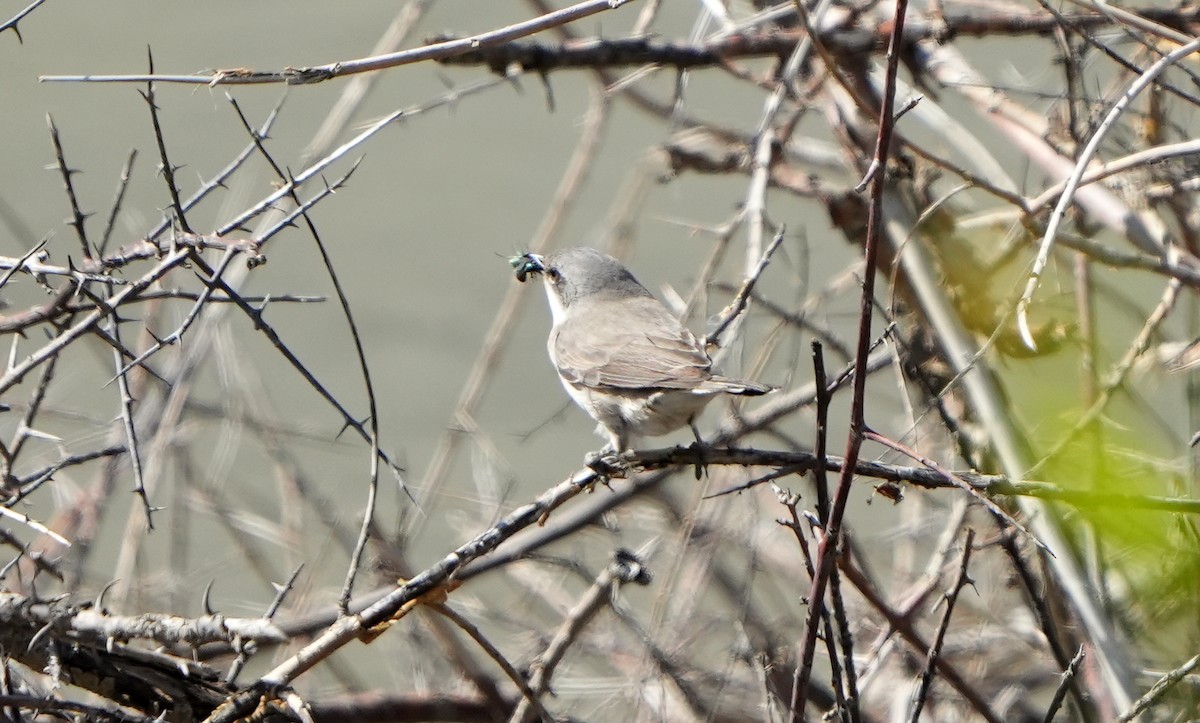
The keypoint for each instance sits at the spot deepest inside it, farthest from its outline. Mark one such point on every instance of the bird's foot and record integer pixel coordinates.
(608, 464)
(700, 449)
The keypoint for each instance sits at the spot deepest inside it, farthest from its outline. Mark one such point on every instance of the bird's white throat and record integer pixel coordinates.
(558, 312)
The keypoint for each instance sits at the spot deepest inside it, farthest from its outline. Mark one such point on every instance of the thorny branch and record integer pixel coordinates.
(950, 224)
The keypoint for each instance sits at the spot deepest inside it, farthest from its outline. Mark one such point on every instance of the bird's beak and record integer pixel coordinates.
(526, 264)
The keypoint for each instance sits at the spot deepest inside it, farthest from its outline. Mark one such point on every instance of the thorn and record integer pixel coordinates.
(550, 104)
(37, 637)
(1023, 325)
(104, 591)
(348, 424)
(37, 434)
(207, 598)
(346, 177)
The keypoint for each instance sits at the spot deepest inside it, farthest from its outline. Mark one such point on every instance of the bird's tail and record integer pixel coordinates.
(739, 386)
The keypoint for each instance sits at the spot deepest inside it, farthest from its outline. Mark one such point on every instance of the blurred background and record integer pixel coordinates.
(256, 474)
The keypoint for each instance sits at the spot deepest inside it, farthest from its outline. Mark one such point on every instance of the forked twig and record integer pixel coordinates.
(1142, 82)
(935, 650)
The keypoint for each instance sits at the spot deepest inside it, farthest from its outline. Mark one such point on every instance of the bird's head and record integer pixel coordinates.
(578, 274)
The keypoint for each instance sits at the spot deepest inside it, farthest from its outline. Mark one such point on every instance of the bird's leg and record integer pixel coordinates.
(605, 463)
(609, 462)
(699, 447)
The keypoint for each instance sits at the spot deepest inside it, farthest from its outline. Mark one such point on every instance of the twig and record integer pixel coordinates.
(791, 502)
(827, 549)
(1078, 26)
(221, 298)
(126, 416)
(168, 171)
(1064, 685)
(37, 704)
(529, 697)
(16, 372)
(1068, 194)
(1100, 171)
(175, 336)
(1179, 268)
(355, 91)
(19, 264)
(115, 209)
(318, 73)
(739, 302)
(33, 525)
(11, 23)
(935, 649)
(845, 638)
(77, 216)
(243, 651)
(625, 567)
(88, 623)
(845, 688)
(261, 325)
(765, 140)
(992, 507)
(41, 562)
(905, 627)
(30, 482)
(1161, 686)
(1117, 375)
(25, 427)
(346, 629)
(364, 369)
(218, 181)
(802, 319)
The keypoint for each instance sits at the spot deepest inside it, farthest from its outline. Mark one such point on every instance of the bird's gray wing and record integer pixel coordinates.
(640, 345)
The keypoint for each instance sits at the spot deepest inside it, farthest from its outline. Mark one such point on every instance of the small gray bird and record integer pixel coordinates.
(619, 352)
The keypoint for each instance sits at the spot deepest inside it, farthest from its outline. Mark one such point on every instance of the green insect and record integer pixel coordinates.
(525, 264)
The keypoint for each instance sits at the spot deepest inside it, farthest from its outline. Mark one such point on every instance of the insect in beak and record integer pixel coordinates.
(526, 264)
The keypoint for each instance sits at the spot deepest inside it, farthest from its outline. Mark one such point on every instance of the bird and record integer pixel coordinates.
(622, 356)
